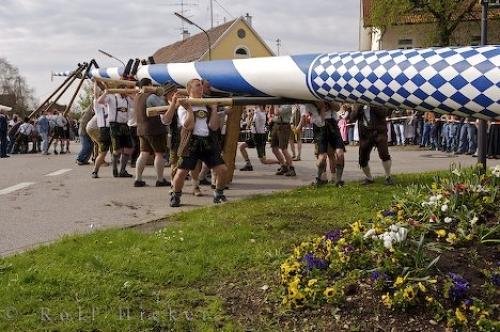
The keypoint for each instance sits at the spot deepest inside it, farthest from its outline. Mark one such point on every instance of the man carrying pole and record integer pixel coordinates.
(198, 143)
(119, 108)
(152, 135)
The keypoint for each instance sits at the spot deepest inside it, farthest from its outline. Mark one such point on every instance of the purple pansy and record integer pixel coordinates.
(334, 235)
(459, 288)
(314, 263)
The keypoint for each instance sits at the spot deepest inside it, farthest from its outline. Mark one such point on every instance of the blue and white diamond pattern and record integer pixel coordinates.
(463, 81)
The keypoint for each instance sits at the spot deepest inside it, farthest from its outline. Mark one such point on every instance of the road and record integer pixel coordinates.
(45, 197)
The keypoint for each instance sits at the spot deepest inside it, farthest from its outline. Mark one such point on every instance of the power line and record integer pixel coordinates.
(224, 9)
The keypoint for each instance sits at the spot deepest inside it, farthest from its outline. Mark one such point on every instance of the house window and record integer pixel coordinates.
(475, 41)
(405, 44)
(241, 33)
(241, 52)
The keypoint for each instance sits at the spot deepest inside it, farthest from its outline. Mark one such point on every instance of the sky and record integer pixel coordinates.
(40, 36)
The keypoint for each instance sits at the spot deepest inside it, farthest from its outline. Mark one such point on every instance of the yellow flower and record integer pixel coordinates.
(452, 238)
(429, 299)
(356, 227)
(312, 282)
(399, 281)
(440, 233)
(386, 300)
(330, 292)
(461, 316)
(422, 287)
(409, 293)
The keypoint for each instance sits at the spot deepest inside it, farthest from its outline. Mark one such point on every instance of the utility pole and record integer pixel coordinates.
(278, 45)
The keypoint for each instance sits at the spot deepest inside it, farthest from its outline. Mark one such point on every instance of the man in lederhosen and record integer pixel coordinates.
(119, 106)
(198, 142)
(152, 134)
(372, 133)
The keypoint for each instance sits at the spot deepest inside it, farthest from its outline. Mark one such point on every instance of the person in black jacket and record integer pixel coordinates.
(3, 134)
(372, 133)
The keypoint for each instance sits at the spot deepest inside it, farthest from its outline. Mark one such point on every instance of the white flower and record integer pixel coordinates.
(433, 199)
(265, 287)
(444, 208)
(424, 204)
(448, 220)
(456, 172)
(439, 196)
(496, 171)
(473, 221)
(369, 233)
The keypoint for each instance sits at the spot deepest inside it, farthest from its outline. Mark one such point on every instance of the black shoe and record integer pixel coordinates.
(94, 175)
(282, 170)
(219, 198)
(212, 186)
(55, 152)
(388, 181)
(290, 172)
(367, 182)
(163, 183)
(246, 168)
(125, 174)
(81, 163)
(62, 152)
(6, 156)
(318, 182)
(339, 183)
(115, 173)
(175, 200)
(139, 184)
(205, 182)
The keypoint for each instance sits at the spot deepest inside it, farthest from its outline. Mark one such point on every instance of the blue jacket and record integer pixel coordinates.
(43, 124)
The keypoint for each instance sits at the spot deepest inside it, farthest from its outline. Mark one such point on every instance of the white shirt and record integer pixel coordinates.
(200, 124)
(118, 108)
(102, 115)
(314, 113)
(61, 121)
(26, 128)
(259, 122)
(132, 118)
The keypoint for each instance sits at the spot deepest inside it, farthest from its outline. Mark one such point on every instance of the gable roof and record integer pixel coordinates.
(192, 48)
(195, 47)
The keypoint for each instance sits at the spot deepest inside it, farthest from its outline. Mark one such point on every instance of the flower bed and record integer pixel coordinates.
(434, 250)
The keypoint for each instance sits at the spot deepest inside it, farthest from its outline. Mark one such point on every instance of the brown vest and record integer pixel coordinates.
(147, 126)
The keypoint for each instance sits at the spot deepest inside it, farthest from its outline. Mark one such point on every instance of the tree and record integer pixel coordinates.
(13, 84)
(446, 14)
(85, 98)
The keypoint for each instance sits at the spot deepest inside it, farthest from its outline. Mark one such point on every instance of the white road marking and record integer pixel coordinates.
(18, 186)
(59, 172)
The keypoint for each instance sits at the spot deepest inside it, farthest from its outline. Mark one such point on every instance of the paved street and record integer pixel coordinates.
(45, 197)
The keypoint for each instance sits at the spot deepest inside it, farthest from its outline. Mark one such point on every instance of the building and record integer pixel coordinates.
(414, 30)
(231, 40)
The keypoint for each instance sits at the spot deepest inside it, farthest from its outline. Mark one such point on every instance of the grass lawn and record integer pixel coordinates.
(214, 268)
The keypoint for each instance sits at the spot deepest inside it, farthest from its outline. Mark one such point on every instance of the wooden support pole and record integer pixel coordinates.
(231, 141)
(83, 78)
(116, 82)
(70, 77)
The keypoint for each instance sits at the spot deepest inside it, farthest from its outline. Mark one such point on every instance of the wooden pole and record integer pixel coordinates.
(231, 141)
(116, 82)
(66, 87)
(75, 73)
(83, 78)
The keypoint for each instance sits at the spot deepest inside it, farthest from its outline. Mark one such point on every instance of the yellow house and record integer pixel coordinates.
(235, 39)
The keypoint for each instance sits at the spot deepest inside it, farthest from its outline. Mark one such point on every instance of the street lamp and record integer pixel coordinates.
(188, 21)
(111, 56)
